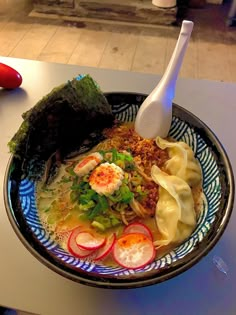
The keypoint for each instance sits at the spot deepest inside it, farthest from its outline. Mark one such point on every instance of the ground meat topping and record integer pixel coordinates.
(145, 151)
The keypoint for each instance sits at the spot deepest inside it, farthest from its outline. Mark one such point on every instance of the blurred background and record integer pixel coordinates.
(132, 35)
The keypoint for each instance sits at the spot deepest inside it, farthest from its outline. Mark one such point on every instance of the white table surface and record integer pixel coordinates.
(27, 284)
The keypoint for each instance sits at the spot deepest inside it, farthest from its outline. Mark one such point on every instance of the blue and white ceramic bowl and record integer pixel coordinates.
(218, 191)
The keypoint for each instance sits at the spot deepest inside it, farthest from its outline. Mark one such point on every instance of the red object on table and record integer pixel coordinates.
(9, 77)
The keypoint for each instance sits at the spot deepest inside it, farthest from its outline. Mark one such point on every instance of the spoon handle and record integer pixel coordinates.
(155, 114)
(167, 84)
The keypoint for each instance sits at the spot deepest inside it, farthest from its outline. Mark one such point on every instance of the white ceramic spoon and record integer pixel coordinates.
(155, 114)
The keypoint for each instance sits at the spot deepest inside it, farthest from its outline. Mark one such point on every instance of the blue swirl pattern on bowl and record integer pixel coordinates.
(180, 131)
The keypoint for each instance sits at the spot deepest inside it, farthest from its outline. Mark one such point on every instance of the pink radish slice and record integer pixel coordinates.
(106, 249)
(138, 228)
(134, 250)
(74, 249)
(86, 240)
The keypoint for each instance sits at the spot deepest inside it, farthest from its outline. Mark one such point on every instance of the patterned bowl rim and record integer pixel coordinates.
(33, 245)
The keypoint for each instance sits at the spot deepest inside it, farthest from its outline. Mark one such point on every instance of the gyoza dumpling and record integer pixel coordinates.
(175, 214)
(182, 162)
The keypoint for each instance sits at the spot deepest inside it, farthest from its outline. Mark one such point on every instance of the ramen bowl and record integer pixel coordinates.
(218, 197)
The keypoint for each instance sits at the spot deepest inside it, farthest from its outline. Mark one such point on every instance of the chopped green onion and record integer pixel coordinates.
(86, 178)
(120, 163)
(126, 194)
(115, 197)
(114, 155)
(89, 195)
(102, 152)
(98, 225)
(75, 187)
(73, 196)
(103, 203)
(114, 220)
(70, 171)
(136, 180)
(125, 157)
(95, 211)
(87, 206)
(130, 167)
(65, 180)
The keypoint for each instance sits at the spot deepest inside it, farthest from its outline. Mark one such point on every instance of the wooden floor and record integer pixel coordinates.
(210, 55)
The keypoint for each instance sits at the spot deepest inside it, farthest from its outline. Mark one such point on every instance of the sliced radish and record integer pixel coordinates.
(74, 249)
(134, 250)
(106, 249)
(138, 228)
(86, 240)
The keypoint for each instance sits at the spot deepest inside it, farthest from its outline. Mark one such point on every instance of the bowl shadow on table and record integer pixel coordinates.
(9, 311)
(200, 278)
(203, 282)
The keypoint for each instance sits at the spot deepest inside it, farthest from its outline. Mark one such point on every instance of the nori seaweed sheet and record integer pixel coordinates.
(62, 120)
